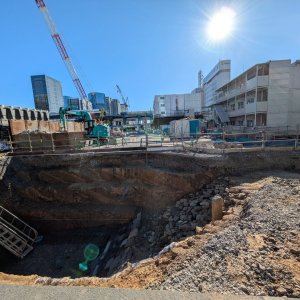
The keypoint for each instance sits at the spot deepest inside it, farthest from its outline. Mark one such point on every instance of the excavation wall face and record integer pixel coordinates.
(110, 188)
(98, 189)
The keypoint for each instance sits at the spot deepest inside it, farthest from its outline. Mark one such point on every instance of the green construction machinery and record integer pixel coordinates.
(93, 129)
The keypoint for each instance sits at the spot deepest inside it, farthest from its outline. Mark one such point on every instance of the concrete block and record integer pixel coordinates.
(217, 205)
(54, 127)
(43, 126)
(17, 126)
(32, 126)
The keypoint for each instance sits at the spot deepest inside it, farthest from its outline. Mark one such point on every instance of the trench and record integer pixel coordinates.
(128, 204)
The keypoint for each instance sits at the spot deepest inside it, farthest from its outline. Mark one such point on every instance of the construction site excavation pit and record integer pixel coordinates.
(114, 201)
(132, 206)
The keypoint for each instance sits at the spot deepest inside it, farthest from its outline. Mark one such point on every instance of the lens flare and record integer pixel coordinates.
(221, 24)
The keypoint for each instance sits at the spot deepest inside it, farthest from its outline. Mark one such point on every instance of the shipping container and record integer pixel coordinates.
(185, 128)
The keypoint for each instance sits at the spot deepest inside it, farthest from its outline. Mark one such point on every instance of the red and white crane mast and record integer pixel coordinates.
(62, 49)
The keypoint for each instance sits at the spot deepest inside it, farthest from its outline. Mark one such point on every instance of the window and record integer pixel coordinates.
(251, 97)
(161, 97)
(162, 105)
(262, 95)
(261, 119)
(263, 70)
(232, 106)
(241, 123)
(251, 73)
(249, 123)
(163, 112)
(240, 105)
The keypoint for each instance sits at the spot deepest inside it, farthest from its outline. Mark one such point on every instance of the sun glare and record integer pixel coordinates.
(221, 24)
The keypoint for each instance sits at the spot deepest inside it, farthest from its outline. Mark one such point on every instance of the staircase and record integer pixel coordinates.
(15, 235)
(222, 114)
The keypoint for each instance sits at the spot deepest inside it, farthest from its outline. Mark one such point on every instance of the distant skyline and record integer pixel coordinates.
(148, 47)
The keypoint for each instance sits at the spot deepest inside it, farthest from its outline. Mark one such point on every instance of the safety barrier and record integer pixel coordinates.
(245, 146)
(68, 142)
(15, 235)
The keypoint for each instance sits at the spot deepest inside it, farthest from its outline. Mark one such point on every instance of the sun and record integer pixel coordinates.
(221, 24)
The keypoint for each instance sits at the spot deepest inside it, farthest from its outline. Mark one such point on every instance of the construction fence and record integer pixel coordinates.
(76, 142)
(64, 142)
(239, 142)
(45, 137)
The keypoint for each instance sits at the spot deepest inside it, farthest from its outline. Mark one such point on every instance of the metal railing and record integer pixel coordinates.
(220, 146)
(42, 143)
(30, 143)
(15, 235)
(271, 131)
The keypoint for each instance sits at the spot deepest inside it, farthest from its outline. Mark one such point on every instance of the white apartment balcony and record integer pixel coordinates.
(218, 100)
(250, 108)
(251, 84)
(257, 81)
(236, 113)
(232, 93)
(237, 91)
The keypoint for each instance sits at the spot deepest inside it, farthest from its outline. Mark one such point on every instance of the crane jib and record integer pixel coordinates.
(62, 49)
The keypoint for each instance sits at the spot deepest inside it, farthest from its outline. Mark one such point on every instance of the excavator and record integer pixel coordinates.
(93, 129)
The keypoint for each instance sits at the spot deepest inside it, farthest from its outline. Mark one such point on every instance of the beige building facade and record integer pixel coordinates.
(267, 94)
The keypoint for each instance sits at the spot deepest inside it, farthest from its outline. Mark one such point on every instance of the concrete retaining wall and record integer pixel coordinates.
(19, 126)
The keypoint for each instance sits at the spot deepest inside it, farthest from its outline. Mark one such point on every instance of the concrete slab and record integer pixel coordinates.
(12, 292)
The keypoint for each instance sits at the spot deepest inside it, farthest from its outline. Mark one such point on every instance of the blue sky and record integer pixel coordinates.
(148, 47)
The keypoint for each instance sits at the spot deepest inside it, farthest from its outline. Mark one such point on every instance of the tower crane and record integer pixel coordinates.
(62, 49)
(125, 101)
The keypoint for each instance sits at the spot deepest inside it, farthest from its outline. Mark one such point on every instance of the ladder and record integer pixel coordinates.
(15, 235)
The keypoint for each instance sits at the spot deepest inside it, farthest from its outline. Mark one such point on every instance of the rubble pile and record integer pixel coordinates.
(192, 211)
(258, 254)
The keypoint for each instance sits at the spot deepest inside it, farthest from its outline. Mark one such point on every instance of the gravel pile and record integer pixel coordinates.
(258, 254)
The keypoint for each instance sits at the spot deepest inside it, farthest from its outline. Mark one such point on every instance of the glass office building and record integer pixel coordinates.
(47, 93)
(67, 101)
(98, 101)
(115, 107)
(72, 103)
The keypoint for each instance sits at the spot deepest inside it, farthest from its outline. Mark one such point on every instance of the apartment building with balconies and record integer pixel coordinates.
(267, 94)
